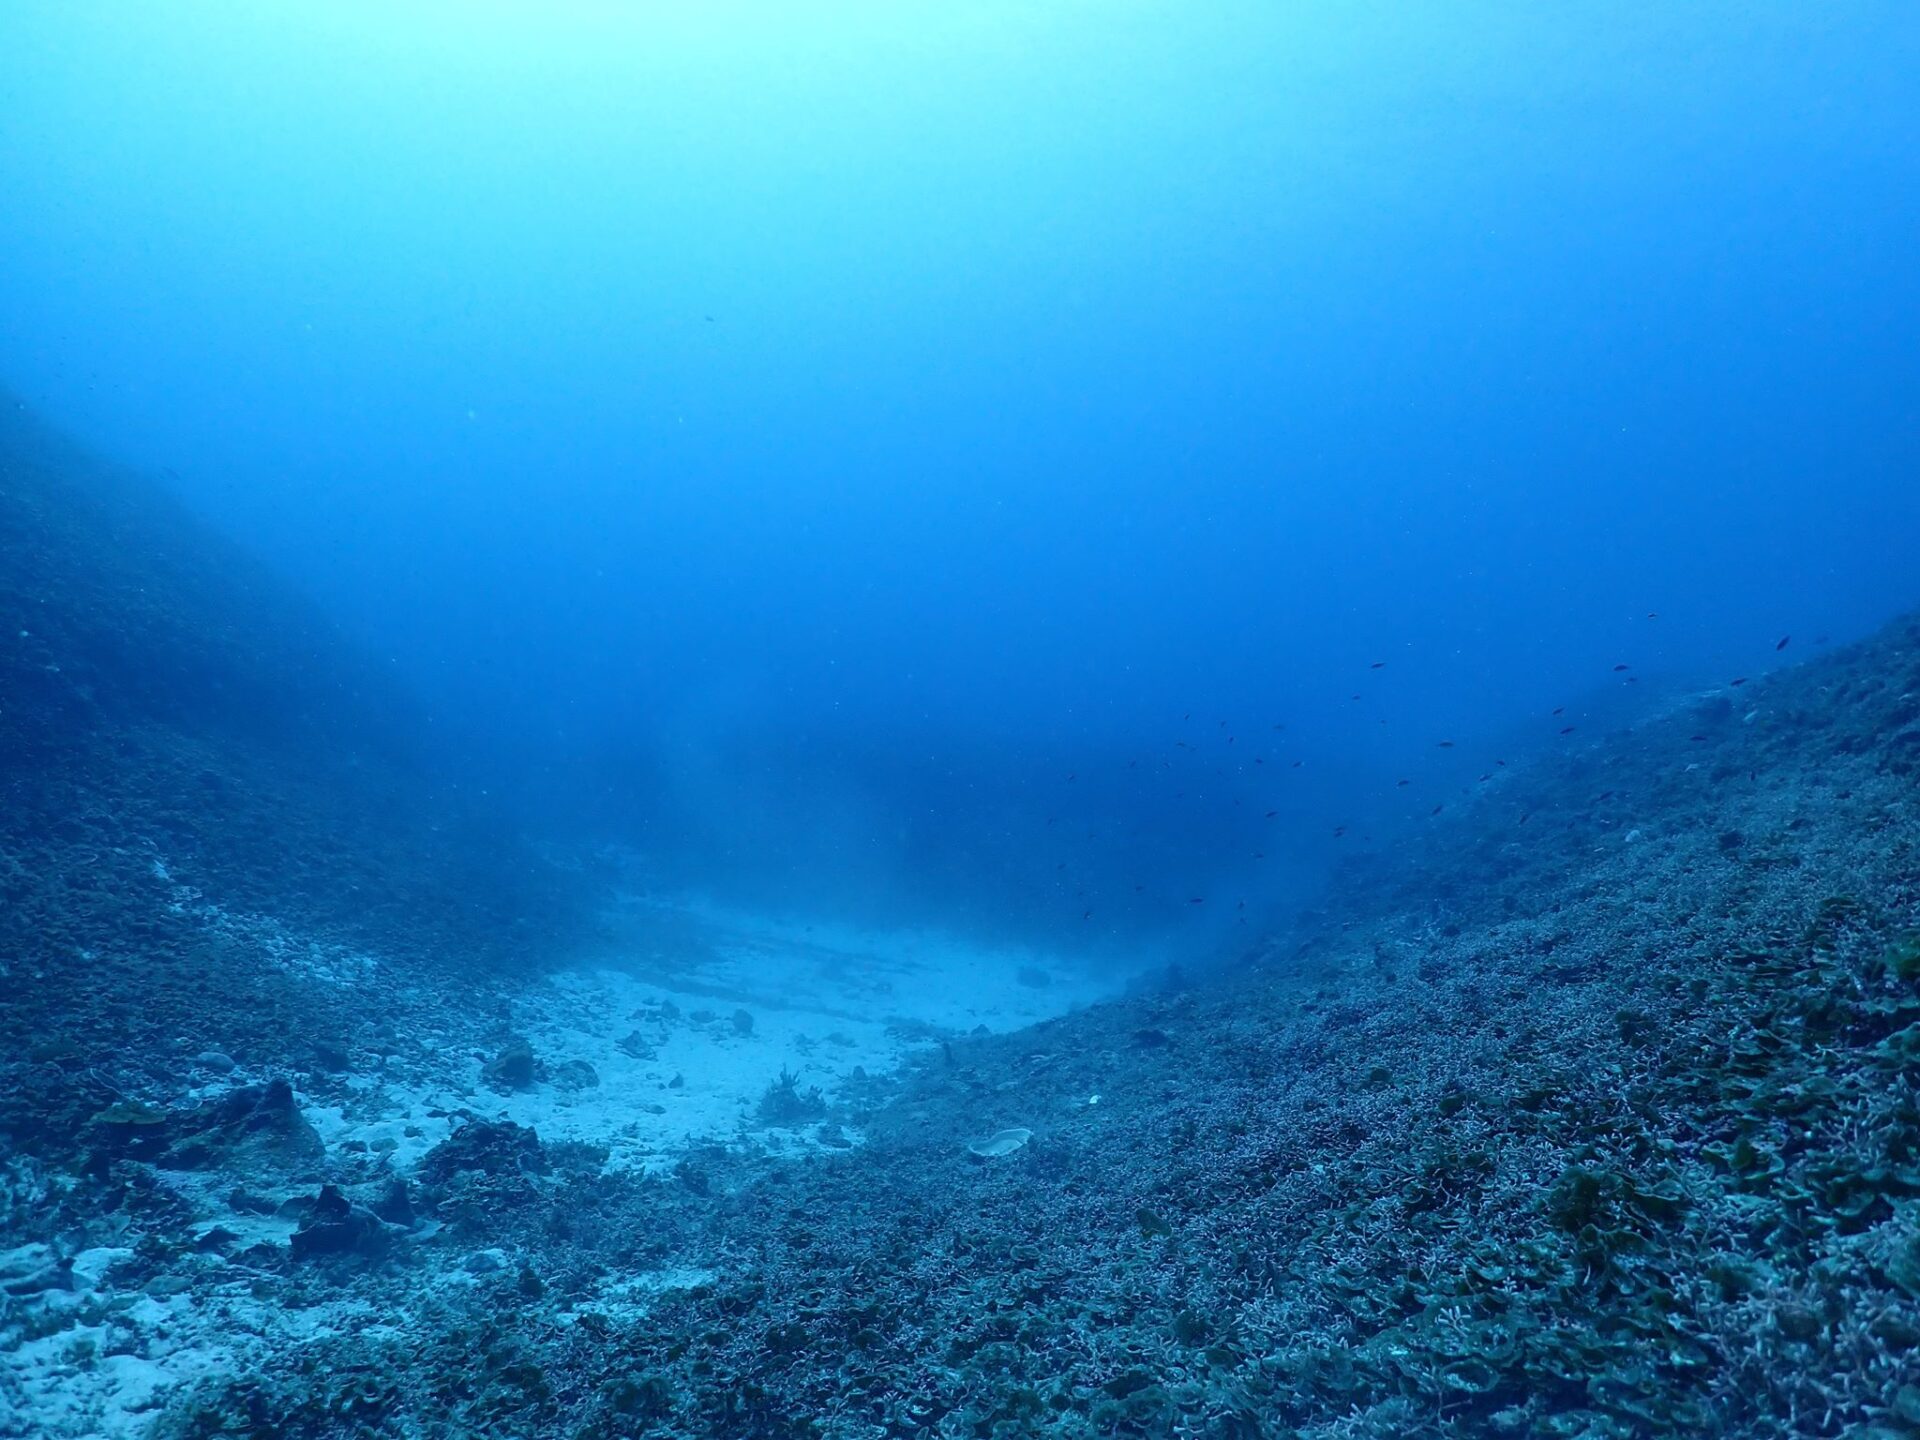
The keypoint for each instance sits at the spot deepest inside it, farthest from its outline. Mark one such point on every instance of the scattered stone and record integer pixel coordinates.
(742, 1023)
(244, 1202)
(217, 1061)
(485, 1262)
(576, 1075)
(678, 1082)
(833, 1137)
(638, 1046)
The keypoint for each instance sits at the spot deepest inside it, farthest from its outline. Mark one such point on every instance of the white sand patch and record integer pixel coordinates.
(673, 1038)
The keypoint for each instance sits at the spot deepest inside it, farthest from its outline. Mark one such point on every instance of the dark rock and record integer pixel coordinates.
(742, 1023)
(575, 1075)
(333, 1058)
(131, 1131)
(489, 1147)
(250, 1127)
(55, 1276)
(395, 1206)
(332, 1232)
(514, 1068)
(243, 1202)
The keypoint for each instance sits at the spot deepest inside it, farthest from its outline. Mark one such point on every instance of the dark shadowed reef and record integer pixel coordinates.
(207, 798)
(1597, 1113)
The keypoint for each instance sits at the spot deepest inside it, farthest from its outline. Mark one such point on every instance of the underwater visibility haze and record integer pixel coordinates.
(865, 719)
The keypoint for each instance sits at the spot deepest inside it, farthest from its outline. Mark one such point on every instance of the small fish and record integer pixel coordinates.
(1569, 729)
(1445, 745)
(1526, 817)
(1378, 665)
(1736, 684)
(1197, 900)
(1399, 783)
(1356, 697)
(1618, 668)
(1697, 737)
(1653, 614)
(1785, 640)
(1559, 709)
(1271, 813)
(1338, 831)
(1486, 777)
(1298, 763)
(1435, 811)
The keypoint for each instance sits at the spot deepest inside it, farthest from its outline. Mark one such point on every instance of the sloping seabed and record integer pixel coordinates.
(1593, 1115)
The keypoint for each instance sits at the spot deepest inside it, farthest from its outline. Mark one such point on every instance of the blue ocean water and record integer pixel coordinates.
(1030, 468)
